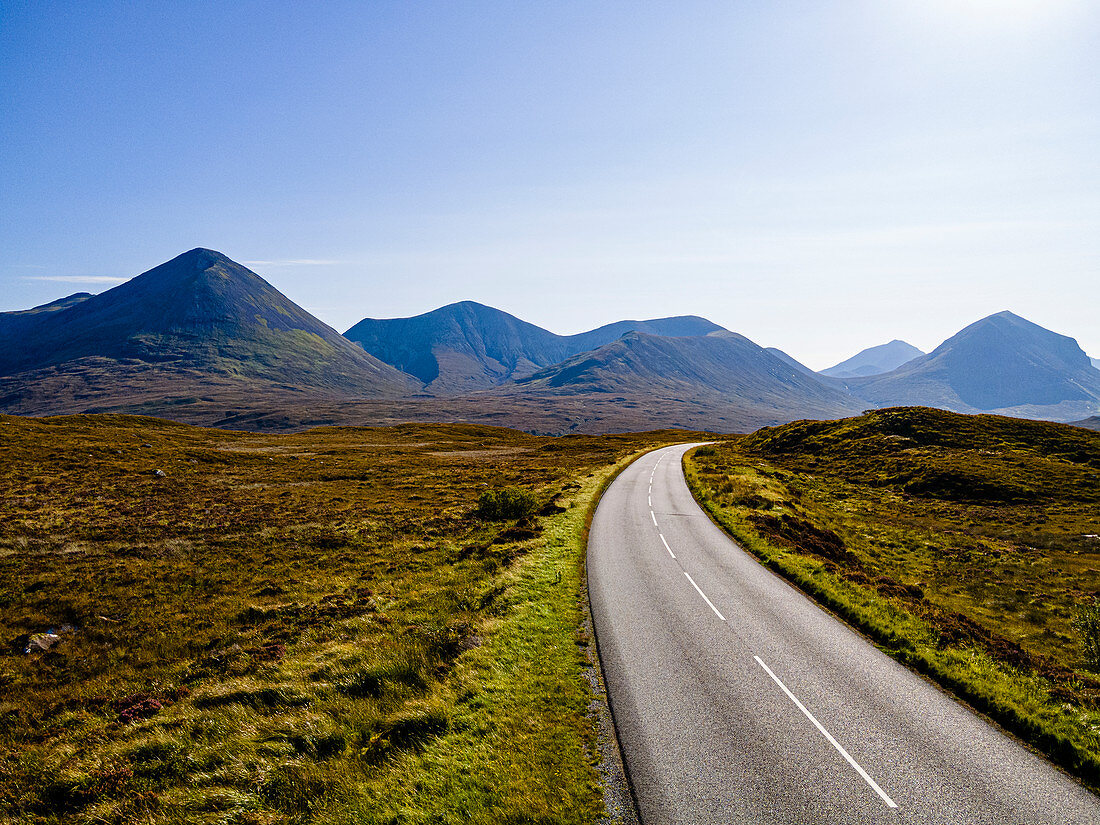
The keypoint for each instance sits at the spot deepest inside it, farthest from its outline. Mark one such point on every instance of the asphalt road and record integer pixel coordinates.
(737, 700)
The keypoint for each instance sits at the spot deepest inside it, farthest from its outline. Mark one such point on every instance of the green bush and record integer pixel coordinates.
(506, 503)
(1087, 623)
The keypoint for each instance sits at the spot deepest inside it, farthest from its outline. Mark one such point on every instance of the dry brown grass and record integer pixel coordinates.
(291, 628)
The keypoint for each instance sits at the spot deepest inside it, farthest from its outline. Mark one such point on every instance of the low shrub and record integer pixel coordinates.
(506, 503)
(1087, 623)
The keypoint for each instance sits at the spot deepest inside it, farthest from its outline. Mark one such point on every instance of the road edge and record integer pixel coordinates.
(619, 796)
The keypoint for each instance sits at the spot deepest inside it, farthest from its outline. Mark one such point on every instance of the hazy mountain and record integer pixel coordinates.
(1095, 362)
(1090, 423)
(1003, 364)
(786, 359)
(197, 319)
(466, 347)
(722, 368)
(875, 360)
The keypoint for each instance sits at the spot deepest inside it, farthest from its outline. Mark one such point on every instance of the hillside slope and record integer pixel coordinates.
(794, 362)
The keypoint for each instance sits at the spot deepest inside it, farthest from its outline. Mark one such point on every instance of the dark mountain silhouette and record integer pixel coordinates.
(723, 369)
(875, 360)
(197, 318)
(787, 359)
(466, 347)
(52, 306)
(1002, 364)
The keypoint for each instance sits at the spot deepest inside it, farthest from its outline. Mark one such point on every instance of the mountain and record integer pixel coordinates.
(875, 360)
(786, 359)
(1090, 423)
(722, 369)
(1002, 364)
(1095, 362)
(466, 347)
(198, 322)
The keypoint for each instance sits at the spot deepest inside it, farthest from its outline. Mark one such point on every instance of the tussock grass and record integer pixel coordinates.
(303, 628)
(957, 543)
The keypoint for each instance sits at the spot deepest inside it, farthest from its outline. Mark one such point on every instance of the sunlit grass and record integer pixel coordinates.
(305, 628)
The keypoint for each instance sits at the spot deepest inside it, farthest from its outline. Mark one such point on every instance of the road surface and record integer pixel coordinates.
(738, 700)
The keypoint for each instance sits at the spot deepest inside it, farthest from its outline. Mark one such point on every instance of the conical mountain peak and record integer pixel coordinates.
(203, 312)
(875, 360)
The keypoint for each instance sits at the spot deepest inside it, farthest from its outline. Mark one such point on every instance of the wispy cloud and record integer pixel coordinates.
(78, 279)
(294, 262)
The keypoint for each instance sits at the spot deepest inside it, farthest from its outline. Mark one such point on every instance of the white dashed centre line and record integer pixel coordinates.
(889, 802)
(652, 516)
(704, 595)
(669, 549)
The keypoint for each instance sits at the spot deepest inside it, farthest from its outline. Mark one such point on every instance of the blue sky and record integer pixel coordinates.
(819, 176)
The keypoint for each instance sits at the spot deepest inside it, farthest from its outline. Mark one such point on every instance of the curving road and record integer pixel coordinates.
(737, 700)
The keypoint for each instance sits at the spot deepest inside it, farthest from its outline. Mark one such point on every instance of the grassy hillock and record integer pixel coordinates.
(964, 545)
(319, 627)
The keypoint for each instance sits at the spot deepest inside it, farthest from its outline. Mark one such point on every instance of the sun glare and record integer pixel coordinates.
(997, 14)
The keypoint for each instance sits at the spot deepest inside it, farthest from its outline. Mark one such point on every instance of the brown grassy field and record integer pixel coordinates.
(965, 545)
(295, 628)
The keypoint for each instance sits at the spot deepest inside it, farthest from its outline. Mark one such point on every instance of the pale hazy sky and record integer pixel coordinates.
(819, 176)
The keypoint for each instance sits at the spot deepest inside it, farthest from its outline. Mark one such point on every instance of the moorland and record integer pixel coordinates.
(378, 625)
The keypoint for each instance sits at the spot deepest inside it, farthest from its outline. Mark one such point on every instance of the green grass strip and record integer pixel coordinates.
(520, 746)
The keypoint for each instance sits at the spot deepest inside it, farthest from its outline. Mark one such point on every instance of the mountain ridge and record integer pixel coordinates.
(469, 347)
(723, 367)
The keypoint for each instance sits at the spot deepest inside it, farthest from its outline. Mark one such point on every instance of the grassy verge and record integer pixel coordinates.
(521, 748)
(930, 572)
(305, 628)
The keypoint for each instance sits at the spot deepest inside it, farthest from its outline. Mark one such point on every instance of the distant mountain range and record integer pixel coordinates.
(874, 360)
(466, 347)
(203, 339)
